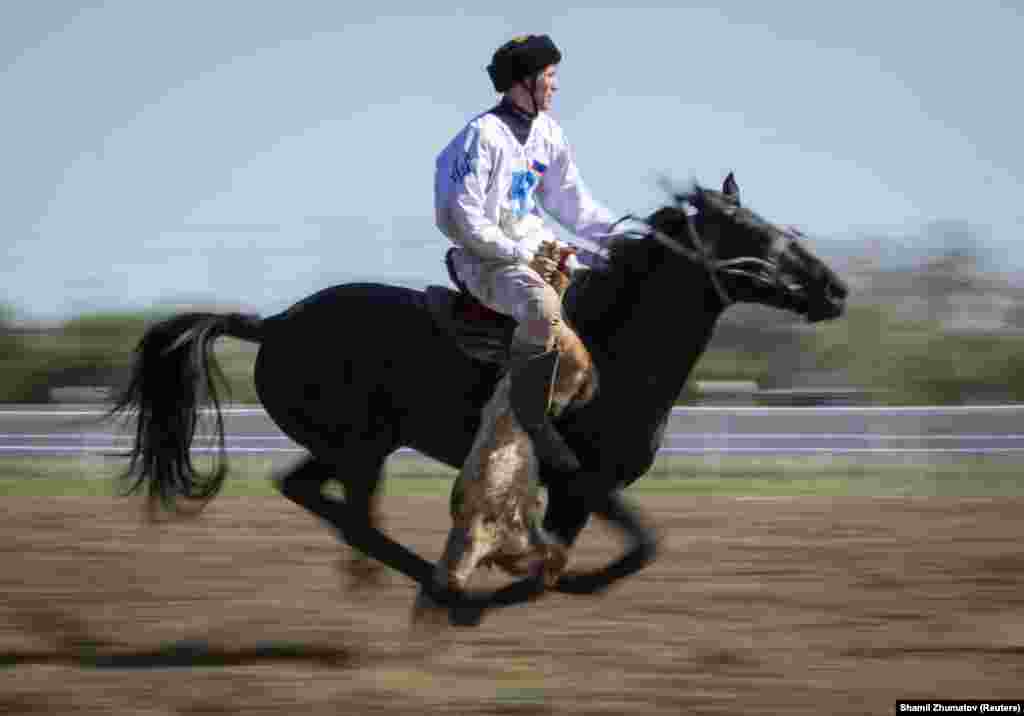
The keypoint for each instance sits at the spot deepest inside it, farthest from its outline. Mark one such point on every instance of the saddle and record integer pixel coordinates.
(480, 332)
(486, 336)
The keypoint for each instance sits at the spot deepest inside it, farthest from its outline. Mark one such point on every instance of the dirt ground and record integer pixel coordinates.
(759, 605)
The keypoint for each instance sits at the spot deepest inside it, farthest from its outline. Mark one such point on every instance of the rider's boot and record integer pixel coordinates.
(533, 373)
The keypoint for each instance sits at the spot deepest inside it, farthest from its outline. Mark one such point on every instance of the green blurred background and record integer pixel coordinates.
(940, 332)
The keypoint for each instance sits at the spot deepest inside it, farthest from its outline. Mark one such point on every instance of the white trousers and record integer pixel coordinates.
(514, 290)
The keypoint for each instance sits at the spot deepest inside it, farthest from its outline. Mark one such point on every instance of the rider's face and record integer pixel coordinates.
(547, 85)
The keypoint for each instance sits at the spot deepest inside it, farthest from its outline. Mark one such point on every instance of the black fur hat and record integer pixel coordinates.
(521, 57)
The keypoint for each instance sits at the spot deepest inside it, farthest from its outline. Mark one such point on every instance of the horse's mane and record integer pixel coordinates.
(633, 251)
(632, 257)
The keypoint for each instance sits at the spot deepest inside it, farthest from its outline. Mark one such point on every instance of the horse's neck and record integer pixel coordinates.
(664, 329)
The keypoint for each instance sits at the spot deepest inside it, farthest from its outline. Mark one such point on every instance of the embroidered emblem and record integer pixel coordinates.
(523, 184)
(462, 166)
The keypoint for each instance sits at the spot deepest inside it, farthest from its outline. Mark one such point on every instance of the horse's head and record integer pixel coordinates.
(748, 258)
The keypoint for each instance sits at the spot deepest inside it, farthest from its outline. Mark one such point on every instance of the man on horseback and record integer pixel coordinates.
(488, 183)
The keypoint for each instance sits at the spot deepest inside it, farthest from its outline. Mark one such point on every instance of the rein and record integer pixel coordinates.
(702, 254)
(699, 252)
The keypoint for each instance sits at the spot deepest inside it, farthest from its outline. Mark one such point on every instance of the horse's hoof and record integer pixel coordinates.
(442, 595)
(467, 612)
(463, 609)
(555, 562)
(587, 583)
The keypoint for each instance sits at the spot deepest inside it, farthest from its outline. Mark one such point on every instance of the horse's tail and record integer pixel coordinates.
(174, 376)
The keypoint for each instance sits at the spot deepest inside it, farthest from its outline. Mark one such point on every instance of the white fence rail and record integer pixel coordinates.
(692, 430)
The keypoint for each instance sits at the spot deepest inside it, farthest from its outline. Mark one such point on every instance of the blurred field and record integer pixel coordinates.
(777, 605)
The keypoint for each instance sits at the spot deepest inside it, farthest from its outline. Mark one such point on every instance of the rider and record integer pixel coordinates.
(488, 183)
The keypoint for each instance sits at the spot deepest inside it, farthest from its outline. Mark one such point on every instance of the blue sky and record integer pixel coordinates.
(250, 153)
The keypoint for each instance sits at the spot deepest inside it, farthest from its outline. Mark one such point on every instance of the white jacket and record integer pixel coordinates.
(488, 189)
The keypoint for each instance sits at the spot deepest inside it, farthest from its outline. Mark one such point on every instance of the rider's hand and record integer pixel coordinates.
(544, 266)
(554, 264)
(545, 261)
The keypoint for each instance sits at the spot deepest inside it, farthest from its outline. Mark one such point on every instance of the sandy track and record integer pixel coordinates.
(780, 605)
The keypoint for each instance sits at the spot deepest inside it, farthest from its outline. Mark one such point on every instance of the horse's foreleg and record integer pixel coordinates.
(614, 507)
(554, 555)
(567, 513)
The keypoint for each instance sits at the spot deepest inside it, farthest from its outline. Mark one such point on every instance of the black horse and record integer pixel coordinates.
(355, 371)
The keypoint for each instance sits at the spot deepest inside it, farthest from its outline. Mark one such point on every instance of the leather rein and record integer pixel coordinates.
(768, 272)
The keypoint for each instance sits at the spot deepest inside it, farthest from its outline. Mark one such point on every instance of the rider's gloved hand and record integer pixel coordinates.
(544, 265)
(555, 262)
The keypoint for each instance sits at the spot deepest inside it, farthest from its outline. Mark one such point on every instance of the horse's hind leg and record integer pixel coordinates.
(352, 515)
(362, 497)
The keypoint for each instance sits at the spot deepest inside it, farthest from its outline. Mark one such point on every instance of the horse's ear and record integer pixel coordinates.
(731, 189)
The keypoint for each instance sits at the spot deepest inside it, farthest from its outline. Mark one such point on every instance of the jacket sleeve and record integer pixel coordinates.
(462, 215)
(564, 195)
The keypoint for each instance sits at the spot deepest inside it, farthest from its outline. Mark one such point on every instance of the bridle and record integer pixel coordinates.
(764, 271)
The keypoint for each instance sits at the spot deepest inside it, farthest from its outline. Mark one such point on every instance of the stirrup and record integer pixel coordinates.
(530, 395)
